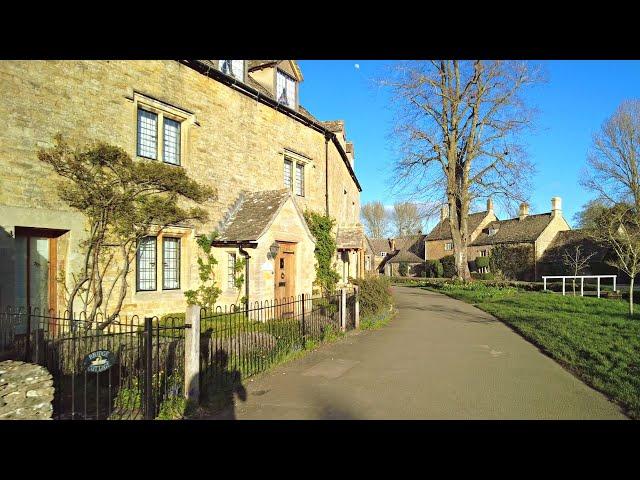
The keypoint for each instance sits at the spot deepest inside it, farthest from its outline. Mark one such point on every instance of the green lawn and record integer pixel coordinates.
(594, 338)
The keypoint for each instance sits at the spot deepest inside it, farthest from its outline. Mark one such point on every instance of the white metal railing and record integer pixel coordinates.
(581, 277)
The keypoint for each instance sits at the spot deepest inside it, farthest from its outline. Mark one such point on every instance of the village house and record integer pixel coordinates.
(536, 232)
(234, 125)
(390, 253)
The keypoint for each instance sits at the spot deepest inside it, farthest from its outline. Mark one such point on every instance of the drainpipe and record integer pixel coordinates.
(326, 172)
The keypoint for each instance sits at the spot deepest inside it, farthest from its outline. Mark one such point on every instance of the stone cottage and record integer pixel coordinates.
(535, 232)
(235, 125)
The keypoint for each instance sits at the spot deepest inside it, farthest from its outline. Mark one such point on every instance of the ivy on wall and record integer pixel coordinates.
(514, 262)
(321, 227)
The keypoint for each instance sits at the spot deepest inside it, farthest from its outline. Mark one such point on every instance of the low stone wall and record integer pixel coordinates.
(26, 391)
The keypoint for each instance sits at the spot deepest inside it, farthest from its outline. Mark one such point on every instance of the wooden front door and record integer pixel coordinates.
(285, 276)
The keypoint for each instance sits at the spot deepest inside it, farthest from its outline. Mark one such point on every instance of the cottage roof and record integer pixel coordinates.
(568, 240)
(380, 245)
(349, 237)
(442, 231)
(252, 214)
(514, 230)
(405, 256)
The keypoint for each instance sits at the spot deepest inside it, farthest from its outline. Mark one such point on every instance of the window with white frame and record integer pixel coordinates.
(161, 129)
(383, 254)
(288, 172)
(233, 68)
(285, 89)
(146, 264)
(484, 253)
(483, 270)
(171, 263)
(448, 246)
(299, 183)
(296, 184)
(231, 270)
(147, 134)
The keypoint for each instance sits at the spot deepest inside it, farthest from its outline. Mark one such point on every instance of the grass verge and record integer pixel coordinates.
(593, 338)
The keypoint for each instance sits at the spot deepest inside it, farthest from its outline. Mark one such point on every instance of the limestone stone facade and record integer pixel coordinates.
(234, 136)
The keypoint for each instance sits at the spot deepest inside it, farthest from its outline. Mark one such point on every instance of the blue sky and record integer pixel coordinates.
(573, 104)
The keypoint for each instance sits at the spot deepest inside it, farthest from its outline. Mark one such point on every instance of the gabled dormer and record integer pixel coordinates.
(234, 68)
(281, 78)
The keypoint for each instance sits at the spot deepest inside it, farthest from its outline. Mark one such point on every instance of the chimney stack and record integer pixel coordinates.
(444, 212)
(556, 206)
(392, 241)
(524, 211)
(489, 205)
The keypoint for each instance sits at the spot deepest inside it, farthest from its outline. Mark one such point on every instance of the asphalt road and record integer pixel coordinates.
(438, 359)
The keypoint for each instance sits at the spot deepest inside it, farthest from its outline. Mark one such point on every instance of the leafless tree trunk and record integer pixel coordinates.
(457, 128)
(375, 219)
(613, 172)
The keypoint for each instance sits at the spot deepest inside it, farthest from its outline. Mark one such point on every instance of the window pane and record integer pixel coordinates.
(231, 270)
(285, 89)
(171, 258)
(300, 179)
(147, 264)
(171, 152)
(288, 166)
(147, 134)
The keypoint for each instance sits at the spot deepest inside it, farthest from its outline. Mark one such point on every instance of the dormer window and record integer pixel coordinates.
(383, 254)
(285, 89)
(233, 68)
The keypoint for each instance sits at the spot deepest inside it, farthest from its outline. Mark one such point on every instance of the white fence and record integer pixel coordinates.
(581, 277)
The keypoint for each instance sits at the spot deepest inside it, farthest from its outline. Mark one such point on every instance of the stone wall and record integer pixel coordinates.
(26, 391)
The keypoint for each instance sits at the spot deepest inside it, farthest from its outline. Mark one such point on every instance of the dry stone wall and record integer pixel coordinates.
(26, 391)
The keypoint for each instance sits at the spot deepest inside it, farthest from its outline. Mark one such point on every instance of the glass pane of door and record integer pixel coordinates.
(39, 273)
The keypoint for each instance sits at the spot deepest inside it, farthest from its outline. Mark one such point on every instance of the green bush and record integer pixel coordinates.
(514, 261)
(448, 266)
(434, 269)
(482, 262)
(375, 294)
(403, 269)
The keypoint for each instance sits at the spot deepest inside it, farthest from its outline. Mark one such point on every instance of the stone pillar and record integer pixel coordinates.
(192, 354)
(343, 309)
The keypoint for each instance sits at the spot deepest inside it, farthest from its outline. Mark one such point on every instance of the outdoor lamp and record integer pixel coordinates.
(273, 249)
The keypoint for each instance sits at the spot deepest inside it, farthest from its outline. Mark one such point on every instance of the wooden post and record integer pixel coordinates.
(343, 309)
(582, 286)
(614, 282)
(598, 287)
(357, 306)
(563, 282)
(192, 354)
(544, 281)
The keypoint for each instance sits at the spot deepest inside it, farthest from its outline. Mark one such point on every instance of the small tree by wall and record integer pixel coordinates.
(576, 261)
(123, 201)
(321, 227)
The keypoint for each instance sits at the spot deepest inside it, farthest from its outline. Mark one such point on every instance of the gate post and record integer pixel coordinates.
(192, 354)
(304, 333)
(357, 306)
(343, 309)
(148, 368)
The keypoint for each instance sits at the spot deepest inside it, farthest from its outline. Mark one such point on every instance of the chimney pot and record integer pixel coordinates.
(556, 206)
(490, 204)
(524, 211)
(444, 212)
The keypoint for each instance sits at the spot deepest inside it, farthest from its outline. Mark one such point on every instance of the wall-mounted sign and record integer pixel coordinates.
(99, 361)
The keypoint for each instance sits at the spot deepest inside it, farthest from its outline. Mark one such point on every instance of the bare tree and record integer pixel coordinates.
(620, 229)
(575, 259)
(613, 173)
(457, 128)
(375, 219)
(613, 162)
(406, 218)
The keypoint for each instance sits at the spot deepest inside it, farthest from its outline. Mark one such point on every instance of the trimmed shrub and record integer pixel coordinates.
(375, 294)
(403, 269)
(434, 269)
(514, 261)
(482, 262)
(448, 266)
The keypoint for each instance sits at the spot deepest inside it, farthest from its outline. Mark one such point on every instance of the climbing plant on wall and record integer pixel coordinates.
(321, 228)
(208, 291)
